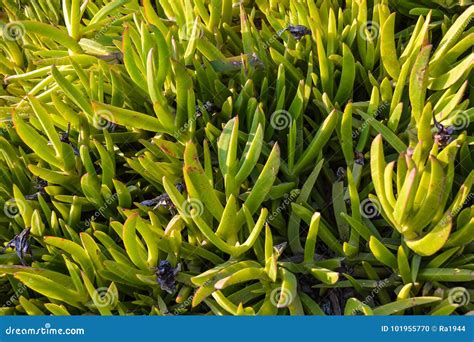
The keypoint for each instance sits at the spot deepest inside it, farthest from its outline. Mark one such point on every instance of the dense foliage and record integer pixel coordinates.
(236, 157)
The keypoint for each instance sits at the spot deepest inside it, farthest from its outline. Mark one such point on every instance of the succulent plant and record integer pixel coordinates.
(310, 157)
(423, 186)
